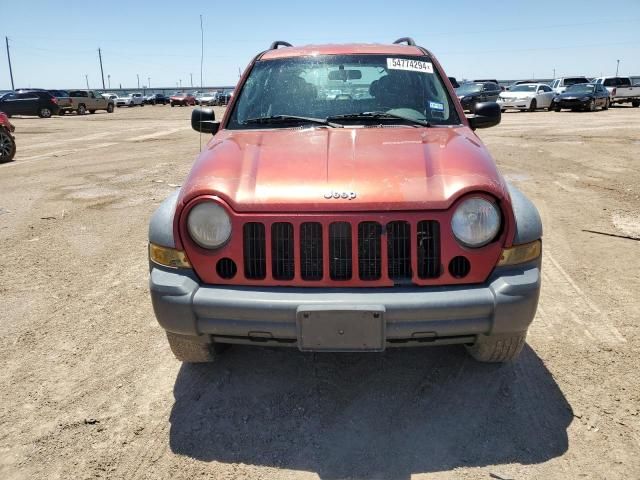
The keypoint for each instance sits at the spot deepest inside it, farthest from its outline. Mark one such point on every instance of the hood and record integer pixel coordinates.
(343, 169)
(511, 94)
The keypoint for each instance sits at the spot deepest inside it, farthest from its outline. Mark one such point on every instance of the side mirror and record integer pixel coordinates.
(487, 114)
(204, 120)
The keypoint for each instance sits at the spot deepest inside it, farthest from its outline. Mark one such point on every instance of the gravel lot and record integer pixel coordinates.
(89, 388)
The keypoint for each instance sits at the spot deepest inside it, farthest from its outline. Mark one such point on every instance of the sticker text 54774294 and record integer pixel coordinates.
(410, 65)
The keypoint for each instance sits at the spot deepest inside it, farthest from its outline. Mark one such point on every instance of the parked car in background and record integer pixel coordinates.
(156, 99)
(64, 101)
(89, 101)
(621, 90)
(477, 92)
(7, 140)
(110, 96)
(582, 96)
(519, 82)
(559, 85)
(527, 96)
(454, 82)
(224, 97)
(29, 102)
(182, 98)
(130, 100)
(207, 98)
(490, 80)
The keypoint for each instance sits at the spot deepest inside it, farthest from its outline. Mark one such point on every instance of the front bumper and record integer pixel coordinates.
(513, 103)
(571, 104)
(505, 303)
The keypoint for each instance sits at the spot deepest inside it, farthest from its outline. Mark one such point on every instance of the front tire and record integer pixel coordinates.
(173, 104)
(110, 108)
(497, 348)
(533, 105)
(191, 350)
(635, 104)
(7, 146)
(606, 104)
(82, 109)
(592, 106)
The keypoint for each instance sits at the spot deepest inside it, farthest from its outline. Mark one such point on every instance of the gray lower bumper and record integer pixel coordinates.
(413, 315)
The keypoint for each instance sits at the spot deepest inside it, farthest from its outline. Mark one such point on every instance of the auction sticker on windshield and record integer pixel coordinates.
(410, 65)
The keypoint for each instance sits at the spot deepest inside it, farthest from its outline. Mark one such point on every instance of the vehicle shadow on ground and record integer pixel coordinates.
(385, 415)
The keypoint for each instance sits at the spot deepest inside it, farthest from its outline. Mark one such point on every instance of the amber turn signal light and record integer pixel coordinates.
(520, 253)
(168, 257)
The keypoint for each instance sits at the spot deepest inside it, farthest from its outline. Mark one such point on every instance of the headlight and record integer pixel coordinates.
(475, 222)
(584, 99)
(209, 225)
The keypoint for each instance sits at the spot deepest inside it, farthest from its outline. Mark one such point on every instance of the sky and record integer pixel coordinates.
(55, 44)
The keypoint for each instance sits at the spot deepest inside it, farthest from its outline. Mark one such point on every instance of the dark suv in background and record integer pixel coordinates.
(477, 92)
(29, 102)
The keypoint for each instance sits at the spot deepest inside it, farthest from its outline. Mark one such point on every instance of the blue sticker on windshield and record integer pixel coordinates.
(436, 106)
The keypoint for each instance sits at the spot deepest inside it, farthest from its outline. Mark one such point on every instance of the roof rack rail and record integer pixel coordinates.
(279, 43)
(408, 40)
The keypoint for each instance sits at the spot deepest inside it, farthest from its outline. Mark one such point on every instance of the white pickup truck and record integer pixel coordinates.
(621, 90)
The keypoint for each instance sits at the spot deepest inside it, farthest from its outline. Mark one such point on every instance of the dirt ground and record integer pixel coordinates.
(89, 388)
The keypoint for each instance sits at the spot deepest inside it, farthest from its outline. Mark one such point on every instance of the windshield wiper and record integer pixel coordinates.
(275, 119)
(378, 116)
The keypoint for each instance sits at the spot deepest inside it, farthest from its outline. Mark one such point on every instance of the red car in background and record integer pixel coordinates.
(183, 99)
(7, 142)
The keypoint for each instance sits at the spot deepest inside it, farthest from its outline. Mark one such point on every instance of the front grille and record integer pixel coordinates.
(399, 250)
(255, 261)
(282, 264)
(329, 251)
(369, 257)
(340, 251)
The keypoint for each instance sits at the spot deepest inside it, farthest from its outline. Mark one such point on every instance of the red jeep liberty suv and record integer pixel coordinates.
(344, 203)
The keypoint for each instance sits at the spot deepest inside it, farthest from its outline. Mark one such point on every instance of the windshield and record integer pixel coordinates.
(581, 88)
(343, 86)
(574, 81)
(524, 88)
(469, 88)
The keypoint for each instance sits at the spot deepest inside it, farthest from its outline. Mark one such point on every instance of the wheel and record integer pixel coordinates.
(172, 104)
(533, 105)
(7, 146)
(606, 104)
(142, 104)
(192, 350)
(62, 112)
(92, 111)
(44, 112)
(82, 109)
(557, 109)
(502, 110)
(592, 106)
(110, 108)
(635, 104)
(497, 348)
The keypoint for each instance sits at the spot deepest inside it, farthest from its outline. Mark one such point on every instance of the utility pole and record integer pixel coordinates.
(180, 83)
(554, 73)
(191, 74)
(6, 39)
(617, 66)
(101, 70)
(149, 82)
(138, 77)
(109, 79)
(86, 77)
